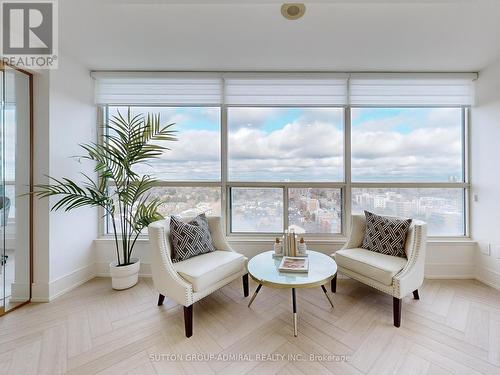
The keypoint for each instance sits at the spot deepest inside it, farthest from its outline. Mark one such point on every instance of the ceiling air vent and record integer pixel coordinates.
(293, 11)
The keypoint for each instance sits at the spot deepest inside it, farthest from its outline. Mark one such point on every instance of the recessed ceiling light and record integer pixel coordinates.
(293, 11)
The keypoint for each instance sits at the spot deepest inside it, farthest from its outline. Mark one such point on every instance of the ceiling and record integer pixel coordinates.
(340, 35)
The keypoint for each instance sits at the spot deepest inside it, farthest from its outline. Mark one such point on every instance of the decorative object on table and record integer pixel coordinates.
(190, 280)
(302, 248)
(278, 248)
(129, 141)
(390, 274)
(294, 264)
(289, 240)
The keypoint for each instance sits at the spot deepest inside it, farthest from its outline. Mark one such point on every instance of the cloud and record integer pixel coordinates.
(411, 145)
(298, 151)
(329, 115)
(194, 145)
(421, 142)
(379, 119)
(309, 147)
(254, 117)
(295, 140)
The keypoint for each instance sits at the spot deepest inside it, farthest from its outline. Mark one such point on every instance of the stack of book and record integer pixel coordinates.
(291, 245)
(294, 264)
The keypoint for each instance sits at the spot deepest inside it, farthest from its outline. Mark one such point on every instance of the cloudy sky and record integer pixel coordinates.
(406, 145)
(306, 144)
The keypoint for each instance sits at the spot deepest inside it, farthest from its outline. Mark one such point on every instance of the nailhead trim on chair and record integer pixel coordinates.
(411, 262)
(168, 265)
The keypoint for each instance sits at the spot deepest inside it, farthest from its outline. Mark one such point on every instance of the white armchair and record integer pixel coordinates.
(392, 275)
(190, 280)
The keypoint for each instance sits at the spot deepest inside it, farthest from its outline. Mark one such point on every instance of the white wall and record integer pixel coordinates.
(40, 166)
(65, 117)
(72, 122)
(485, 159)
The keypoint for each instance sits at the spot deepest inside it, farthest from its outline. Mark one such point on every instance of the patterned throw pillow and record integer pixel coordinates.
(190, 239)
(385, 235)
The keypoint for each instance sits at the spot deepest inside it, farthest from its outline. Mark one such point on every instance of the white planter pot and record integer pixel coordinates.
(124, 277)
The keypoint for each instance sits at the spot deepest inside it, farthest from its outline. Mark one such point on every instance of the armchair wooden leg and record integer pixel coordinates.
(334, 284)
(161, 298)
(396, 309)
(245, 284)
(415, 294)
(188, 320)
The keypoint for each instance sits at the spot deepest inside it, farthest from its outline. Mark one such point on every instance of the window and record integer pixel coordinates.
(422, 148)
(442, 209)
(256, 210)
(407, 145)
(270, 151)
(189, 201)
(196, 155)
(285, 144)
(194, 159)
(184, 202)
(315, 210)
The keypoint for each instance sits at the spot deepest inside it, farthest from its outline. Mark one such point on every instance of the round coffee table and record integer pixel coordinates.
(263, 268)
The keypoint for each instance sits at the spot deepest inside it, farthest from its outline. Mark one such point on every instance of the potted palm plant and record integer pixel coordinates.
(122, 193)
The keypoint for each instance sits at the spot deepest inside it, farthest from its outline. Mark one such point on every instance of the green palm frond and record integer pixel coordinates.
(129, 140)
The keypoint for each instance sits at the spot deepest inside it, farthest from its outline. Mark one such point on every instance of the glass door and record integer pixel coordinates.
(15, 201)
(3, 200)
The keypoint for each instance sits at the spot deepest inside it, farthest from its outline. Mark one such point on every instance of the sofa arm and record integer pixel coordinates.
(411, 277)
(355, 239)
(165, 278)
(217, 233)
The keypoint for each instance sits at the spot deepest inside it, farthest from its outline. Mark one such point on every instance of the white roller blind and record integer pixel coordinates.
(285, 89)
(158, 88)
(328, 89)
(412, 89)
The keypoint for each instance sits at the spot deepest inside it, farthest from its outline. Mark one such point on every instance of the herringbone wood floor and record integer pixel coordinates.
(454, 328)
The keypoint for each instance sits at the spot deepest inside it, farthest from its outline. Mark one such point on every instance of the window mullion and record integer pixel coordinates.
(286, 223)
(225, 209)
(466, 168)
(347, 194)
(102, 121)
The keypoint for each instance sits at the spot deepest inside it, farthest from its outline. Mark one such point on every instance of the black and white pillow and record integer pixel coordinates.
(385, 234)
(190, 239)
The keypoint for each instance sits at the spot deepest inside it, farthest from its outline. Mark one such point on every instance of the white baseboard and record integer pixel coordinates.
(449, 271)
(489, 277)
(40, 292)
(46, 292)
